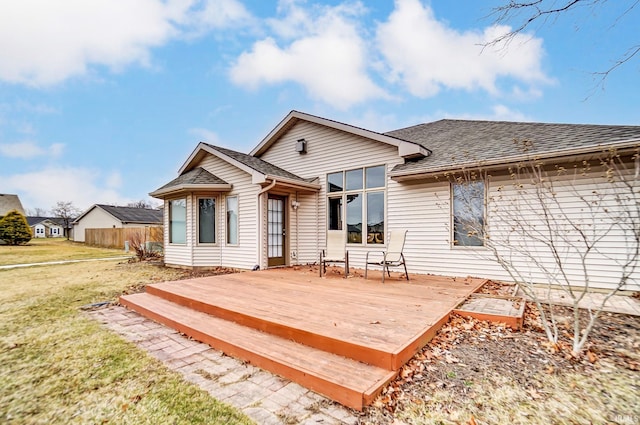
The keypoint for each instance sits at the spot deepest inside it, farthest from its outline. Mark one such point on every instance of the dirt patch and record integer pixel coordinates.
(161, 273)
(479, 372)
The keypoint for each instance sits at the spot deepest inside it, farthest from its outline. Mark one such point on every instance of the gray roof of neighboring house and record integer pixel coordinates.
(10, 202)
(133, 215)
(455, 143)
(55, 220)
(257, 164)
(197, 176)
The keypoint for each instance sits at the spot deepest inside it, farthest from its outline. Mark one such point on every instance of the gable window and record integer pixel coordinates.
(468, 211)
(177, 221)
(232, 220)
(362, 192)
(206, 220)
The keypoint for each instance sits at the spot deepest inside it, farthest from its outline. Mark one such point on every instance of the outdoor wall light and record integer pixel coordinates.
(301, 146)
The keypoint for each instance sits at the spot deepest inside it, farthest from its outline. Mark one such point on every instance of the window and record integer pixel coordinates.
(468, 213)
(206, 220)
(362, 192)
(232, 220)
(178, 221)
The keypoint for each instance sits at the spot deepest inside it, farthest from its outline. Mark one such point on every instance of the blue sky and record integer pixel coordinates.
(101, 101)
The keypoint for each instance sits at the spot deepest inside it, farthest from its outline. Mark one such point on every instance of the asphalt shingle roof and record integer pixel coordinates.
(32, 220)
(134, 215)
(458, 142)
(197, 176)
(257, 164)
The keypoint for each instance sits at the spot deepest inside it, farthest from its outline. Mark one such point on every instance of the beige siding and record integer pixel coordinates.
(97, 218)
(179, 254)
(245, 254)
(425, 210)
(328, 151)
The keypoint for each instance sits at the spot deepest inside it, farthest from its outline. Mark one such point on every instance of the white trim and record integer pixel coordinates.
(216, 230)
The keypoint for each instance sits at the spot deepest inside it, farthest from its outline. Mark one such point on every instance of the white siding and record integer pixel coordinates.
(97, 218)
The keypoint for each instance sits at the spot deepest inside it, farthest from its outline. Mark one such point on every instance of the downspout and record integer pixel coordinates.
(262, 226)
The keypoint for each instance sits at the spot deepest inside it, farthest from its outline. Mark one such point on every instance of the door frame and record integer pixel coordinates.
(284, 260)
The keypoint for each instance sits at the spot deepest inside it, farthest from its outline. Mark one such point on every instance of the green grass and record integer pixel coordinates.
(59, 366)
(52, 249)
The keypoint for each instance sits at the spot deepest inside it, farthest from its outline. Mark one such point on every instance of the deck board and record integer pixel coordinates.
(376, 325)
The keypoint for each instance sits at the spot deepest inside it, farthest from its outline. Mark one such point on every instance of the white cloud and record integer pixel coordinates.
(323, 52)
(81, 186)
(426, 55)
(205, 135)
(44, 42)
(29, 150)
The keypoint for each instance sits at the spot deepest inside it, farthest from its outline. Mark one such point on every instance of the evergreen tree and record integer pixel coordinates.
(14, 229)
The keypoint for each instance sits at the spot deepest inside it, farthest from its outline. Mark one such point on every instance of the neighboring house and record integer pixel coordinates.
(109, 216)
(47, 227)
(10, 202)
(274, 205)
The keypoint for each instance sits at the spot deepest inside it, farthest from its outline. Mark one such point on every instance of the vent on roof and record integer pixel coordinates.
(301, 146)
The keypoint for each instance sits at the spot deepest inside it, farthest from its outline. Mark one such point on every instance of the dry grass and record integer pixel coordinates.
(58, 366)
(52, 249)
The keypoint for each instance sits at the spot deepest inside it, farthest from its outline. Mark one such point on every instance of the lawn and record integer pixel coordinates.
(40, 250)
(59, 366)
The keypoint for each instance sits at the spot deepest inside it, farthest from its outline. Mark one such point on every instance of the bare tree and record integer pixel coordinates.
(66, 211)
(522, 15)
(37, 212)
(144, 242)
(558, 226)
(140, 204)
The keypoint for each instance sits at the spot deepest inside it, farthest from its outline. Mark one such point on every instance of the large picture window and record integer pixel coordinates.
(362, 192)
(178, 221)
(206, 220)
(468, 210)
(232, 220)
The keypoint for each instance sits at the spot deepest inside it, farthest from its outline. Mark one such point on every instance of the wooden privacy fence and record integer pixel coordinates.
(115, 238)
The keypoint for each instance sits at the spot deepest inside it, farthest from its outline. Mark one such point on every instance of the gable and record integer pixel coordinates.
(406, 149)
(327, 150)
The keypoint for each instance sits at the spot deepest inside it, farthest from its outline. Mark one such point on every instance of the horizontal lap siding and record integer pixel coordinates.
(245, 254)
(179, 254)
(328, 151)
(603, 262)
(425, 210)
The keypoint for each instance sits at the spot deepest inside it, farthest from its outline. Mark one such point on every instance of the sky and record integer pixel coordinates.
(102, 101)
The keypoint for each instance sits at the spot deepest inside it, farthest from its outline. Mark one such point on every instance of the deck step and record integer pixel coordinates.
(345, 380)
(281, 322)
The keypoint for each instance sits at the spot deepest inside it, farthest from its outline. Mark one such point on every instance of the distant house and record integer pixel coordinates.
(108, 216)
(274, 205)
(47, 227)
(9, 203)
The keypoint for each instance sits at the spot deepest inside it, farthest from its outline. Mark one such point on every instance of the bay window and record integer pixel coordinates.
(178, 221)
(206, 220)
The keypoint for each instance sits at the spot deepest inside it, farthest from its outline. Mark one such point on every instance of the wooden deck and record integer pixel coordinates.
(344, 338)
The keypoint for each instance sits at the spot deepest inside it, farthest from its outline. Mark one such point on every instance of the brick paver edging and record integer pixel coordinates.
(264, 397)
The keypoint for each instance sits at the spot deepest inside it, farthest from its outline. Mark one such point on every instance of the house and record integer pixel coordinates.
(109, 216)
(274, 205)
(10, 202)
(47, 227)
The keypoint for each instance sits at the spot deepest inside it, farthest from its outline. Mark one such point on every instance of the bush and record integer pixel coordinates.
(14, 229)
